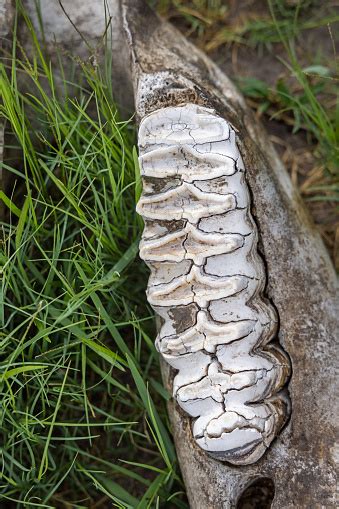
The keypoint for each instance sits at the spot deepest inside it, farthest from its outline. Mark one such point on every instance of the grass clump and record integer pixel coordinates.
(82, 420)
(216, 23)
(305, 98)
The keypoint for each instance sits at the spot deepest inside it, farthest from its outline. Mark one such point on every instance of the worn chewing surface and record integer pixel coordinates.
(207, 283)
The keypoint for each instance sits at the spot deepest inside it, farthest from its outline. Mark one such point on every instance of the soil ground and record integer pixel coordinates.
(263, 61)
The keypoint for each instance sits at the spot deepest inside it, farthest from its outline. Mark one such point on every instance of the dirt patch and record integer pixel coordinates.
(247, 54)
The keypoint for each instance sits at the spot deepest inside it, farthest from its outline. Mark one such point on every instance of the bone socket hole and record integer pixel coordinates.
(258, 495)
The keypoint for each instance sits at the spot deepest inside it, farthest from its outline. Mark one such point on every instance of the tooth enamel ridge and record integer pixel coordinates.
(207, 282)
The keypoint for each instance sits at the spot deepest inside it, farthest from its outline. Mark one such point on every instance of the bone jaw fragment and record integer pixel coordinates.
(200, 242)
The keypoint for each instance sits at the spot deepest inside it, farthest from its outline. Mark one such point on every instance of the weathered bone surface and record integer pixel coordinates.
(200, 242)
(168, 71)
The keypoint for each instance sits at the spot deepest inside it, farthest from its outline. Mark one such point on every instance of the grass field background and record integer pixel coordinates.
(83, 420)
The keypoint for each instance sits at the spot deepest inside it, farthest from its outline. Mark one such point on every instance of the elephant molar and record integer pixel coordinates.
(207, 280)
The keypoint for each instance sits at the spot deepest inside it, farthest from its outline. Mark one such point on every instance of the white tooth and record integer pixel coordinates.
(207, 280)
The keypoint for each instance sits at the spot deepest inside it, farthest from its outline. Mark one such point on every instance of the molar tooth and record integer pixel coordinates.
(200, 242)
(184, 162)
(227, 422)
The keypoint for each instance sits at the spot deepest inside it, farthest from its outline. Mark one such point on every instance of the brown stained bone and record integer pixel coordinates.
(169, 71)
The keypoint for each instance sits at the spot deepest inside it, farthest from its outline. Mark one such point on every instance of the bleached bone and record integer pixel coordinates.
(235, 418)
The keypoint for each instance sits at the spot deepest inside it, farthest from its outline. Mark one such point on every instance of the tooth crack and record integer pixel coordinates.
(197, 210)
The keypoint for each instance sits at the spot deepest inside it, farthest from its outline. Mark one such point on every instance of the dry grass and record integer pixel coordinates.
(268, 49)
